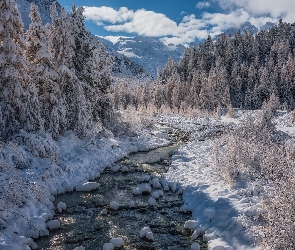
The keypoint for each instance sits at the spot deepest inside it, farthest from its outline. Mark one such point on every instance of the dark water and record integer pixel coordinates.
(83, 225)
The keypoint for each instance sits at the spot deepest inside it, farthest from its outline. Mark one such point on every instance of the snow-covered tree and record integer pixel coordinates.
(13, 68)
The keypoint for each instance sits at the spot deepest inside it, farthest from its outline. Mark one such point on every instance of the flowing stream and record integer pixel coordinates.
(82, 224)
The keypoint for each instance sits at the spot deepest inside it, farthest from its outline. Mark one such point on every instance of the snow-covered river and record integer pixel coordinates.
(84, 224)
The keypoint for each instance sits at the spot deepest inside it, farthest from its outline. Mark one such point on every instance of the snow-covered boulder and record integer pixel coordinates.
(143, 232)
(52, 224)
(108, 246)
(136, 191)
(160, 192)
(61, 206)
(104, 212)
(115, 168)
(131, 204)
(114, 205)
(124, 169)
(87, 186)
(195, 246)
(117, 242)
(155, 195)
(79, 248)
(150, 236)
(155, 182)
(152, 201)
(190, 224)
(142, 188)
(144, 177)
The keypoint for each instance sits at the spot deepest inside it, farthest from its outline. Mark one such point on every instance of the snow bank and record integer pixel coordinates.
(71, 163)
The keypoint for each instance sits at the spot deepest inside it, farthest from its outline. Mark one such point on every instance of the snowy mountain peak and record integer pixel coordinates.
(149, 52)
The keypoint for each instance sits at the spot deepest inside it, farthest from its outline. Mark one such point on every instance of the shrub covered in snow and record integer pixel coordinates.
(152, 201)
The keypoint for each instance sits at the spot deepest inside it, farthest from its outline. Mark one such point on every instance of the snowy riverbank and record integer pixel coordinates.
(27, 194)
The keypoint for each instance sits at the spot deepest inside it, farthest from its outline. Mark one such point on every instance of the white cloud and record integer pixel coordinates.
(203, 5)
(261, 8)
(107, 14)
(150, 23)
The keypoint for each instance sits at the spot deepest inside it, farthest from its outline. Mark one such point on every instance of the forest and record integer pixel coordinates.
(64, 119)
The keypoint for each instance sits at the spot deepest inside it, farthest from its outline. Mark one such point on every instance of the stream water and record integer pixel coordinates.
(82, 224)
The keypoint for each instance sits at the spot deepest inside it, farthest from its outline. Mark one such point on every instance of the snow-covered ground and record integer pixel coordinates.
(218, 208)
(26, 207)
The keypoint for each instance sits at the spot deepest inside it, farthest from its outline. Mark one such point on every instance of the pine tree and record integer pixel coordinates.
(13, 68)
(44, 74)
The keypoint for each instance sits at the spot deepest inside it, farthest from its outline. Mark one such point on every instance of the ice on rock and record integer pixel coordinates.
(61, 206)
(79, 248)
(155, 195)
(152, 201)
(149, 236)
(117, 242)
(108, 246)
(131, 204)
(190, 224)
(104, 212)
(145, 177)
(114, 205)
(115, 168)
(143, 232)
(52, 224)
(87, 186)
(195, 246)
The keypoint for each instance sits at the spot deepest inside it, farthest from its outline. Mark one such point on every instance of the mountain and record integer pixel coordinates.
(149, 52)
(123, 66)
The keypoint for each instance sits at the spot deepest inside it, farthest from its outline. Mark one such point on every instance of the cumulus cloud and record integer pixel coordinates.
(203, 5)
(272, 8)
(107, 14)
(150, 23)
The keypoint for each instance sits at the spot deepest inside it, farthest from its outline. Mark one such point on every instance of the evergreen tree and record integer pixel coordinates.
(13, 68)
(44, 74)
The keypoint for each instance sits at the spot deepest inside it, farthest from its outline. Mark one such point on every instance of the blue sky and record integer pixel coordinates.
(178, 21)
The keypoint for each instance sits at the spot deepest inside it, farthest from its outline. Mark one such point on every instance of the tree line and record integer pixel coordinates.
(240, 71)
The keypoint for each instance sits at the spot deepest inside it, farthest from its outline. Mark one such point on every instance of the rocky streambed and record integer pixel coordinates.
(89, 221)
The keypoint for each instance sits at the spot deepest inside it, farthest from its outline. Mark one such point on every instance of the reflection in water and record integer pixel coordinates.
(83, 224)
